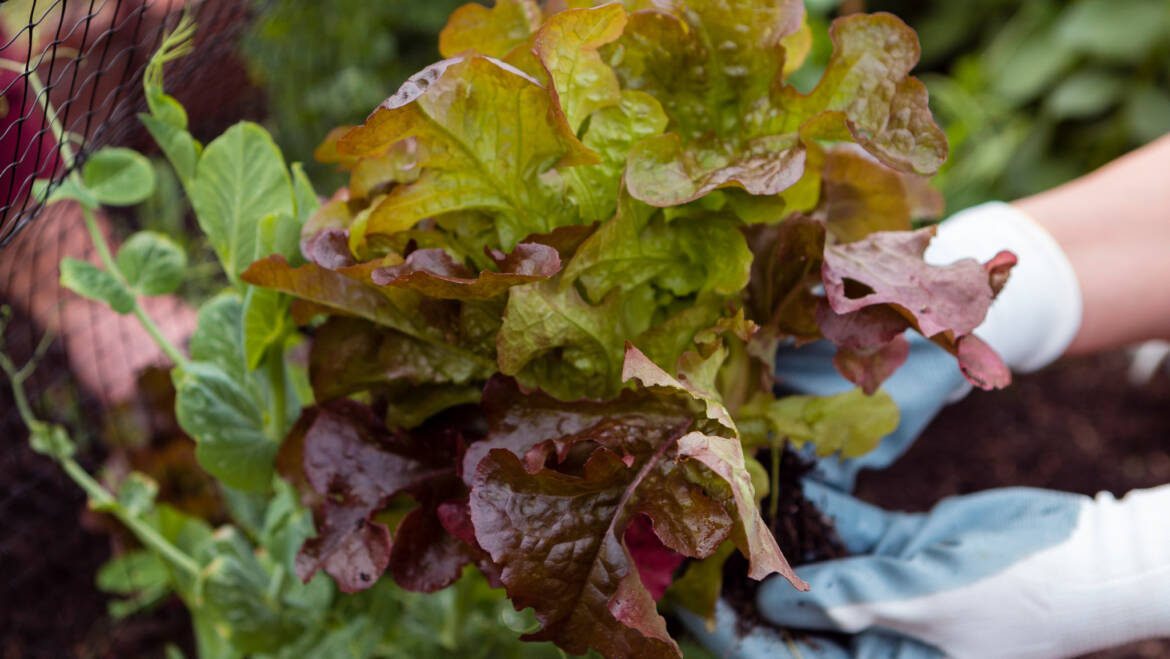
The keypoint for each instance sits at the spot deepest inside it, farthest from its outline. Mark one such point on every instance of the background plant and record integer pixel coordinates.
(1035, 94)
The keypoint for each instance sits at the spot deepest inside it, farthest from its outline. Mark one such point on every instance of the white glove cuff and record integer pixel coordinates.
(1038, 313)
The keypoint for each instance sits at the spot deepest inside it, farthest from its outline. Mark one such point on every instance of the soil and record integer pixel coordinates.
(803, 533)
(1078, 426)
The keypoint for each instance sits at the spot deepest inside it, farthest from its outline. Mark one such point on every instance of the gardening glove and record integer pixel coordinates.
(1015, 572)
(1031, 322)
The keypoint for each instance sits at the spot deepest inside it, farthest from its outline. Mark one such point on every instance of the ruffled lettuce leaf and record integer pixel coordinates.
(717, 68)
(487, 135)
(554, 339)
(494, 32)
(349, 467)
(434, 273)
(944, 303)
(561, 483)
(850, 423)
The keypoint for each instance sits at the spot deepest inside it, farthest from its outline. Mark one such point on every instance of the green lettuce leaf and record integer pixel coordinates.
(688, 255)
(494, 32)
(851, 423)
(553, 339)
(487, 134)
(733, 122)
(612, 133)
(566, 46)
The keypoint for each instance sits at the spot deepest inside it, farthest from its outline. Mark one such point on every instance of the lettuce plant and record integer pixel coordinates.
(547, 305)
(544, 316)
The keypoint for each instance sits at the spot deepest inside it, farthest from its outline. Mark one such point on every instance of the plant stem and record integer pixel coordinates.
(103, 250)
(17, 378)
(276, 383)
(99, 497)
(774, 494)
(102, 499)
(99, 241)
(276, 583)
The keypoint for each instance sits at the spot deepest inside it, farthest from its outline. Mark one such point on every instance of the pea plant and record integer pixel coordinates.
(542, 318)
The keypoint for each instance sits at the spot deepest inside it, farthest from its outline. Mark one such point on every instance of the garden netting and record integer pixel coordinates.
(79, 64)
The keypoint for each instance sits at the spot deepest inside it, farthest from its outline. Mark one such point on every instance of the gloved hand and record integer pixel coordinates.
(921, 388)
(1015, 572)
(1032, 321)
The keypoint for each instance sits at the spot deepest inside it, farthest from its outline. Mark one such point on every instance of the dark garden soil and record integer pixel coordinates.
(802, 532)
(1078, 426)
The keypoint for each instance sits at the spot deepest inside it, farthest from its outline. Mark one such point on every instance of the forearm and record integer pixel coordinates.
(1114, 226)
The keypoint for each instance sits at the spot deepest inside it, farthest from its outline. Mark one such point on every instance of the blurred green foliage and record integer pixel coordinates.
(1032, 94)
(324, 64)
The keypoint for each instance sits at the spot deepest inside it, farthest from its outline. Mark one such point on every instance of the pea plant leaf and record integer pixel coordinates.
(90, 281)
(266, 322)
(228, 425)
(118, 176)
(152, 263)
(218, 337)
(240, 178)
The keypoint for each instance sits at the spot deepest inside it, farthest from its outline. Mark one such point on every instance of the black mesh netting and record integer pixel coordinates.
(85, 60)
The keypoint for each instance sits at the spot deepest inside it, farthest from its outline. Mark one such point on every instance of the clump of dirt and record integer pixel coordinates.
(804, 534)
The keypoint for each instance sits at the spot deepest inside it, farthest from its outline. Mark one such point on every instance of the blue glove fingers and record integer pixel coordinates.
(761, 643)
(920, 388)
(881, 645)
(862, 526)
(997, 526)
(764, 643)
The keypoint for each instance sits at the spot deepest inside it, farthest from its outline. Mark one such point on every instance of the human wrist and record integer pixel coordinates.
(1038, 313)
